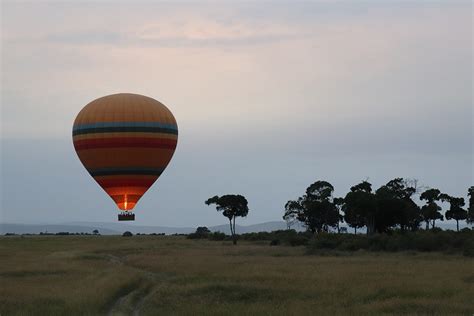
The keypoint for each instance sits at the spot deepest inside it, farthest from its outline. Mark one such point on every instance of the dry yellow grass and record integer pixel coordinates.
(155, 275)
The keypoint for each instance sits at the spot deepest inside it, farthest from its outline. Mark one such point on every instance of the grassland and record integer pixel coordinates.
(159, 275)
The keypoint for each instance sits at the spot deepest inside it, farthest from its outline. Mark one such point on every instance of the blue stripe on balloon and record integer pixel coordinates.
(125, 171)
(124, 124)
(124, 129)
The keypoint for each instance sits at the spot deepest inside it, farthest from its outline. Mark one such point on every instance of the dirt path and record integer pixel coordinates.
(132, 302)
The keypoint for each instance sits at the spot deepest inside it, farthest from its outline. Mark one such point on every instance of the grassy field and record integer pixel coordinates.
(158, 275)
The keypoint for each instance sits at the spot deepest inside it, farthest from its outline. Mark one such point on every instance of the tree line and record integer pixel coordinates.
(392, 206)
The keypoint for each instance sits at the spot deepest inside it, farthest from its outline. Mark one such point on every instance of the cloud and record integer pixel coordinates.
(200, 31)
(192, 31)
(138, 25)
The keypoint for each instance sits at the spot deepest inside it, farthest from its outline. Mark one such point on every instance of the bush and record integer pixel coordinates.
(200, 233)
(288, 237)
(216, 236)
(446, 241)
(299, 240)
(127, 234)
(354, 244)
(275, 242)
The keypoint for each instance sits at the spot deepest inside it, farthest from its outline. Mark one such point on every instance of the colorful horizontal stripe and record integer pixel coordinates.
(125, 171)
(124, 124)
(130, 182)
(131, 142)
(128, 135)
(125, 129)
(123, 157)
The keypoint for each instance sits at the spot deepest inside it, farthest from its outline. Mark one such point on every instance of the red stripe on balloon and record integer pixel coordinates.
(108, 183)
(117, 142)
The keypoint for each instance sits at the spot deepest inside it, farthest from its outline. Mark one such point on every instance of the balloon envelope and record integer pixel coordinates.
(125, 141)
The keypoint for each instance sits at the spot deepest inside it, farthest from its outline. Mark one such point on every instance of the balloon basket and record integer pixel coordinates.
(126, 216)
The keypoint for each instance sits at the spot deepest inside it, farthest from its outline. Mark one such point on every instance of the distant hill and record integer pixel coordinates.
(262, 227)
(54, 228)
(119, 228)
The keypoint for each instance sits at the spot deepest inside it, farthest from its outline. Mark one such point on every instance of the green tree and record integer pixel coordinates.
(232, 206)
(291, 215)
(200, 233)
(316, 209)
(470, 209)
(430, 212)
(339, 204)
(456, 211)
(395, 206)
(360, 206)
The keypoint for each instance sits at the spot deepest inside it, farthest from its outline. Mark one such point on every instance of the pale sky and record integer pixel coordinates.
(269, 97)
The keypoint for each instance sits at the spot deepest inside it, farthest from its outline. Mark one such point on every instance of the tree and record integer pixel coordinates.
(456, 211)
(339, 204)
(470, 209)
(95, 232)
(360, 206)
(290, 216)
(409, 214)
(232, 206)
(316, 209)
(431, 211)
(395, 206)
(201, 232)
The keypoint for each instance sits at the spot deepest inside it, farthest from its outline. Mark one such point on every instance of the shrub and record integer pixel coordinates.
(326, 241)
(354, 244)
(200, 233)
(299, 240)
(216, 236)
(127, 234)
(288, 237)
(447, 241)
(275, 242)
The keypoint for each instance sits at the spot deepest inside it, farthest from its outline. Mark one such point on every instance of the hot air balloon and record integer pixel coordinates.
(125, 141)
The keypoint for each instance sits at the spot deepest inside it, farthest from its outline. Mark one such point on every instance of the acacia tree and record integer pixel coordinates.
(470, 209)
(431, 211)
(291, 214)
(316, 208)
(360, 206)
(339, 204)
(232, 206)
(455, 211)
(395, 206)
